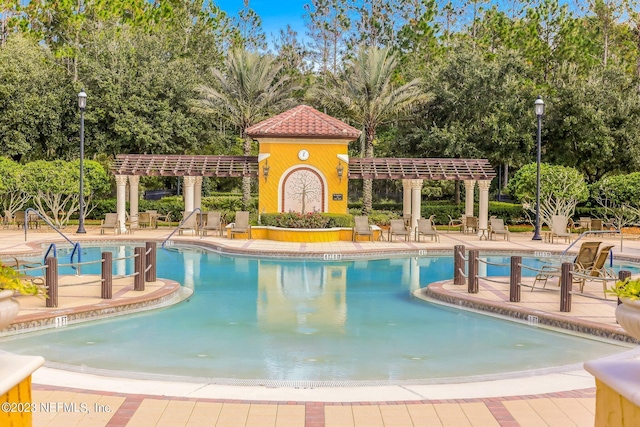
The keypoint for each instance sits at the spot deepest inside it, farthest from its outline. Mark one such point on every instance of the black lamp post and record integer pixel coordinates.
(82, 104)
(539, 105)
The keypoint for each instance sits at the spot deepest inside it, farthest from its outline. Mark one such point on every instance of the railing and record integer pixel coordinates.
(145, 270)
(591, 232)
(180, 225)
(55, 252)
(26, 222)
(26, 227)
(563, 272)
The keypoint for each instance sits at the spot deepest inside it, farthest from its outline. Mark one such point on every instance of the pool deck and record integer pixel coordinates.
(560, 396)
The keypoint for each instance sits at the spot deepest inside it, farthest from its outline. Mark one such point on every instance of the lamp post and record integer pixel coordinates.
(82, 104)
(539, 106)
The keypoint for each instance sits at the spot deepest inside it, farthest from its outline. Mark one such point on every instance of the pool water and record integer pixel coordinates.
(305, 320)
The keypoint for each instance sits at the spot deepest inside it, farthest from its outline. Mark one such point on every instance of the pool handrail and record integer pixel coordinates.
(563, 254)
(76, 249)
(55, 252)
(179, 225)
(26, 227)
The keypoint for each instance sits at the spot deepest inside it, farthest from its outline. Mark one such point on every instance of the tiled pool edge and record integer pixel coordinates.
(171, 293)
(435, 291)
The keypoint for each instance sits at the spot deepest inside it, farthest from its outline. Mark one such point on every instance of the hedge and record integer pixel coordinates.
(310, 220)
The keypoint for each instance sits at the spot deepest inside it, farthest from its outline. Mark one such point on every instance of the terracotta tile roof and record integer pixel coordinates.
(303, 121)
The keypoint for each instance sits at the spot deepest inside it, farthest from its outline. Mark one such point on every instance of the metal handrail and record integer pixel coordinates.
(76, 249)
(584, 233)
(180, 225)
(26, 222)
(55, 252)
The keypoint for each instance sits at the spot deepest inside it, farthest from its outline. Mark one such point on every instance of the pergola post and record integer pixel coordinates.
(197, 193)
(121, 208)
(416, 199)
(483, 208)
(469, 186)
(406, 197)
(134, 180)
(189, 184)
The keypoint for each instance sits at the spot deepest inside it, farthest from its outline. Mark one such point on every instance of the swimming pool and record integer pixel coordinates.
(296, 320)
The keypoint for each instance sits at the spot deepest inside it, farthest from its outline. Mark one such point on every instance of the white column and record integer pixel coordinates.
(121, 208)
(483, 209)
(406, 197)
(189, 183)
(469, 186)
(134, 180)
(197, 190)
(416, 200)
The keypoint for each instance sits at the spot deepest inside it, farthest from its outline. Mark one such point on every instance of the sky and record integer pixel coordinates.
(275, 14)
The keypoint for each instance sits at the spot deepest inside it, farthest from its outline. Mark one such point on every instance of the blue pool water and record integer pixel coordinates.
(305, 320)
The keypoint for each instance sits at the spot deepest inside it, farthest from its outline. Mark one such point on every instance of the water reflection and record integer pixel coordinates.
(307, 297)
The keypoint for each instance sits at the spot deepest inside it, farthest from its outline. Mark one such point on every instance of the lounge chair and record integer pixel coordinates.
(189, 223)
(213, 222)
(560, 228)
(397, 228)
(362, 227)
(496, 226)
(110, 222)
(597, 272)
(241, 225)
(459, 222)
(425, 228)
(585, 259)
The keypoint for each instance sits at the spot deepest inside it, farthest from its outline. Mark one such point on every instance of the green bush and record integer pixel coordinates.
(308, 220)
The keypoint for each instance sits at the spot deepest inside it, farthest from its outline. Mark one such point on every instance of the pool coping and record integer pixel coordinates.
(435, 292)
(169, 294)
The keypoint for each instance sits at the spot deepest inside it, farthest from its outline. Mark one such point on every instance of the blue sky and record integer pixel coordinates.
(275, 14)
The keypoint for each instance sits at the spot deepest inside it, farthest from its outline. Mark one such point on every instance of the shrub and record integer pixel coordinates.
(308, 220)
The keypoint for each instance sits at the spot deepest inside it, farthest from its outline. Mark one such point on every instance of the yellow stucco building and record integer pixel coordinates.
(303, 162)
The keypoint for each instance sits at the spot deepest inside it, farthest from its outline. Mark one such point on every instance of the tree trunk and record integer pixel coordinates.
(246, 180)
(456, 193)
(505, 176)
(367, 184)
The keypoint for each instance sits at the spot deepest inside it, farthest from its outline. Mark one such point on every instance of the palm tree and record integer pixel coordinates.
(251, 88)
(367, 95)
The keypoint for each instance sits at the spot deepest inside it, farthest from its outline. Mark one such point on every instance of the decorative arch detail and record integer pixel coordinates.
(302, 189)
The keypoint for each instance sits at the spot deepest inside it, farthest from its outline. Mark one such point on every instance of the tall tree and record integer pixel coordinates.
(250, 89)
(367, 94)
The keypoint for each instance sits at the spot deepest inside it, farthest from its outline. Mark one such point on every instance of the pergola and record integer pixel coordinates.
(412, 171)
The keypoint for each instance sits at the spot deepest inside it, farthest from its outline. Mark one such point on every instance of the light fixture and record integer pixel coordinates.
(265, 170)
(340, 171)
(539, 107)
(82, 104)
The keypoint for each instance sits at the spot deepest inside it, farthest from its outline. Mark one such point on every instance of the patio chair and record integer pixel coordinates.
(496, 226)
(597, 272)
(397, 228)
(596, 225)
(362, 228)
(189, 223)
(425, 228)
(145, 219)
(585, 259)
(212, 223)
(241, 225)
(7, 219)
(471, 224)
(560, 228)
(584, 223)
(19, 219)
(110, 222)
(458, 222)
